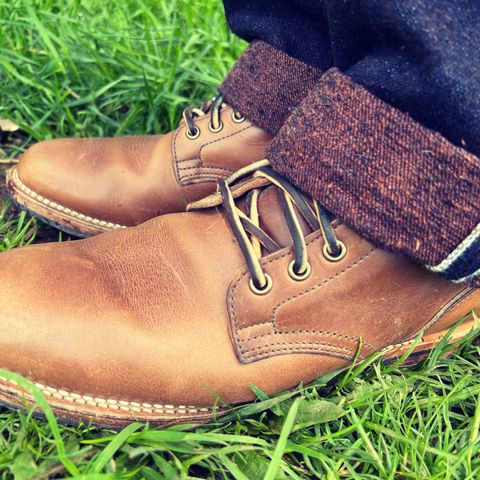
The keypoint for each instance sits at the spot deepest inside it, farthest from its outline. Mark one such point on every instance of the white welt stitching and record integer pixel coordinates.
(56, 206)
(113, 404)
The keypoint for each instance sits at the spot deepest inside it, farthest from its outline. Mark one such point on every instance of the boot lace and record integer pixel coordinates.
(250, 236)
(214, 108)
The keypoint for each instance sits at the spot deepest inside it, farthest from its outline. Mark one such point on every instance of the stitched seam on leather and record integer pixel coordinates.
(319, 285)
(113, 404)
(297, 350)
(234, 287)
(177, 161)
(206, 168)
(323, 332)
(312, 288)
(237, 282)
(205, 177)
(219, 139)
(60, 208)
(281, 344)
(383, 351)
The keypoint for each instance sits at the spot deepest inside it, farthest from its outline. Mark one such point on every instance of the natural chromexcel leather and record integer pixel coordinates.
(128, 180)
(163, 313)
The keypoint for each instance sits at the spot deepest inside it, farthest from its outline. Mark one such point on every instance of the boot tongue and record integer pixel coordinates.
(272, 217)
(271, 214)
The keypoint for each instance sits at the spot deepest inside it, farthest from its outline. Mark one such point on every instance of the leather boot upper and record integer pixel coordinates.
(169, 311)
(128, 180)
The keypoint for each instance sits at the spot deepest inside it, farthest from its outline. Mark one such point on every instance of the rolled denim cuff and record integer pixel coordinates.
(400, 185)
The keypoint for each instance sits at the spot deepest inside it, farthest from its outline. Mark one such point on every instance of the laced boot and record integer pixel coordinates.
(254, 285)
(88, 186)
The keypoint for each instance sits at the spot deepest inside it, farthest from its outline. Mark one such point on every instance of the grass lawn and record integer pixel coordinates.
(94, 68)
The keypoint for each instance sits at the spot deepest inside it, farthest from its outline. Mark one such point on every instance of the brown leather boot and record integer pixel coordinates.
(88, 186)
(256, 285)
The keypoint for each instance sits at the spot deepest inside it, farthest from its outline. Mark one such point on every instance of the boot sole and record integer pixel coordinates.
(72, 408)
(52, 213)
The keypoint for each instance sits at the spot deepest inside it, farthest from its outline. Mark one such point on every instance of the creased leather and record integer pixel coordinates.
(145, 314)
(128, 180)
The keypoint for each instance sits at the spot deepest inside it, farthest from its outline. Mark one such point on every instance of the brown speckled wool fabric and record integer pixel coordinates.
(266, 84)
(400, 185)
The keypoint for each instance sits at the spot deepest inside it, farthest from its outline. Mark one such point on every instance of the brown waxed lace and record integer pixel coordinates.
(214, 108)
(246, 228)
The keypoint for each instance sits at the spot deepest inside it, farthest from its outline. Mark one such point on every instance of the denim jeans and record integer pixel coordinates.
(422, 57)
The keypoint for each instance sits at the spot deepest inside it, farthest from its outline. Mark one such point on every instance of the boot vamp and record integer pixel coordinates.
(125, 180)
(128, 180)
(138, 314)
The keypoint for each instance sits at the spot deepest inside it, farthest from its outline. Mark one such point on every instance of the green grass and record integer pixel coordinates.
(87, 68)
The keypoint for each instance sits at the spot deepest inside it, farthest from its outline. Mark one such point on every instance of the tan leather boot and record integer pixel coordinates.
(256, 286)
(88, 186)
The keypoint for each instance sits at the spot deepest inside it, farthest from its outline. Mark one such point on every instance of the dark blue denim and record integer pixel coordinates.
(421, 56)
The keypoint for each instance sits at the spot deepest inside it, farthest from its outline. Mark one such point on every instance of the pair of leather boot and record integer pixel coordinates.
(236, 278)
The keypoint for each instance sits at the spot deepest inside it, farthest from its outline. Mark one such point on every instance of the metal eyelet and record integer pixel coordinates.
(298, 276)
(192, 136)
(215, 130)
(237, 119)
(262, 291)
(335, 258)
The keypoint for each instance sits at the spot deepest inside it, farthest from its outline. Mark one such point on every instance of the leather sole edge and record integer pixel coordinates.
(53, 213)
(72, 408)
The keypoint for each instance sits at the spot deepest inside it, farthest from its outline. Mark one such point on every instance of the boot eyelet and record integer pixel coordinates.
(194, 135)
(237, 119)
(262, 291)
(215, 130)
(339, 256)
(299, 276)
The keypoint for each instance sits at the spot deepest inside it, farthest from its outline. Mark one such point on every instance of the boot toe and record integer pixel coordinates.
(88, 184)
(49, 167)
